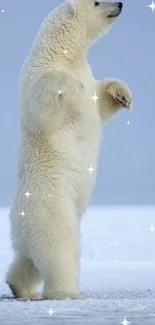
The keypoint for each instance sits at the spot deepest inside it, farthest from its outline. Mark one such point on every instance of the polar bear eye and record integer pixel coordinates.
(96, 3)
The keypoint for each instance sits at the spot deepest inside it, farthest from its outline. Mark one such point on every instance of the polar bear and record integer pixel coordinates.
(62, 108)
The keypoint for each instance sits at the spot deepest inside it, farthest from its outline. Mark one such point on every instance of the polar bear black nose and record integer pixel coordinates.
(120, 5)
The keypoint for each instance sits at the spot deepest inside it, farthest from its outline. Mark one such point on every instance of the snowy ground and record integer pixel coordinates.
(117, 272)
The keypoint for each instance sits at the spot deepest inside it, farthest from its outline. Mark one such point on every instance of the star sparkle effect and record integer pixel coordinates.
(128, 122)
(90, 169)
(95, 98)
(152, 228)
(51, 312)
(59, 92)
(125, 322)
(152, 6)
(22, 213)
(65, 51)
(27, 194)
(3, 10)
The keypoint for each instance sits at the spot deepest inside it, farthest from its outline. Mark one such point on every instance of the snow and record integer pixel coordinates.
(117, 273)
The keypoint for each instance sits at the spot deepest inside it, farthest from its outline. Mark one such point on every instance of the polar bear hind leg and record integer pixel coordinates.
(23, 277)
(58, 250)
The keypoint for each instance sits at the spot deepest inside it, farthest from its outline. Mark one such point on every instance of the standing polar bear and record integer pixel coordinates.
(60, 136)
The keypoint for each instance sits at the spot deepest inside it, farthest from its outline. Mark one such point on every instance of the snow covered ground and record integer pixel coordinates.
(117, 272)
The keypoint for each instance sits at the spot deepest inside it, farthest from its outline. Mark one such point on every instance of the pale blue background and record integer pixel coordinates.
(126, 173)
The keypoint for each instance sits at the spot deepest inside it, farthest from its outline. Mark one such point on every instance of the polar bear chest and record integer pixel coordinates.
(76, 146)
(79, 138)
(86, 131)
(77, 143)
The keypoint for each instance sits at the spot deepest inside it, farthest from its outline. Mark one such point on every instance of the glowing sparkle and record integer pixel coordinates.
(128, 122)
(51, 312)
(95, 98)
(22, 213)
(152, 228)
(90, 169)
(27, 194)
(59, 92)
(3, 10)
(65, 51)
(125, 322)
(152, 6)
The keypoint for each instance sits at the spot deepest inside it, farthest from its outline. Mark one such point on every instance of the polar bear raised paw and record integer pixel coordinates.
(120, 93)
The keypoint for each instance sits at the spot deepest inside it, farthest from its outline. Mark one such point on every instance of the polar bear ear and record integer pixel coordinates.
(71, 8)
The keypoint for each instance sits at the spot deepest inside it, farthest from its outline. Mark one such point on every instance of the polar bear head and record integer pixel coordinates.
(74, 26)
(94, 17)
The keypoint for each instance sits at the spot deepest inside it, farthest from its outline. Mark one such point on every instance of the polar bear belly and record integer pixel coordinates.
(78, 148)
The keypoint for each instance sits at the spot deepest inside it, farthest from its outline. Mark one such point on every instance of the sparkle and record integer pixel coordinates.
(152, 6)
(65, 51)
(128, 122)
(95, 98)
(125, 322)
(22, 213)
(51, 312)
(59, 92)
(3, 10)
(27, 194)
(152, 228)
(91, 169)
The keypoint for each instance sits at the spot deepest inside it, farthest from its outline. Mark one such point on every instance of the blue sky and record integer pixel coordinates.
(126, 171)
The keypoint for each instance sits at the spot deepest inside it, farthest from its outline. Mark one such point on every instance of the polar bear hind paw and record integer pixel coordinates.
(27, 295)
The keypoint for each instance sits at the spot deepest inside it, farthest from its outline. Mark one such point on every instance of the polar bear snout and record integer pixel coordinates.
(120, 5)
(116, 12)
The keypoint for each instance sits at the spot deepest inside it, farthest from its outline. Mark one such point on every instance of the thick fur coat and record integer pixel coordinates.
(60, 135)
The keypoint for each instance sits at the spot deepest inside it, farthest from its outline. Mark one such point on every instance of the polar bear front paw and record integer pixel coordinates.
(120, 93)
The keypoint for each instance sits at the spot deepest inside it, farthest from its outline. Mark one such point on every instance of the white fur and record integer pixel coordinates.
(60, 136)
